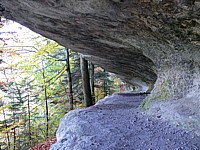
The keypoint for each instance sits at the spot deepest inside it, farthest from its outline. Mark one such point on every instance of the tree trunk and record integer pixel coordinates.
(7, 134)
(104, 83)
(46, 101)
(5, 122)
(86, 82)
(92, 81)
(29, 120)
(70, 81)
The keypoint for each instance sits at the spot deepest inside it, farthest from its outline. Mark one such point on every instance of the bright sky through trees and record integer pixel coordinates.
(14, 40)
(20, 32)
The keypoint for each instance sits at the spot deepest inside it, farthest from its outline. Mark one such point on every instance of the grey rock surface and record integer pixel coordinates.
(185, 112)
(151, 44)
(116, 123)
(143, 41)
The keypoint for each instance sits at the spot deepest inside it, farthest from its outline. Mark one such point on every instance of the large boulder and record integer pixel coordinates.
(144, 42)
(116, 123)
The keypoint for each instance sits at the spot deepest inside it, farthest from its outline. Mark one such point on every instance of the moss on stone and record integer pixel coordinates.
(163, 94)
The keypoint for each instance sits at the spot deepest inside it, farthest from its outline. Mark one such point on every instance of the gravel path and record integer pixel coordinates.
(116, 123)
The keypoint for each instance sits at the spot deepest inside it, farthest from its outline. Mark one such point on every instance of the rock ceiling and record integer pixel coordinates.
(145, 42)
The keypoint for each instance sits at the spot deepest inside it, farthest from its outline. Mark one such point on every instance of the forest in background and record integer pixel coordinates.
(40, 81)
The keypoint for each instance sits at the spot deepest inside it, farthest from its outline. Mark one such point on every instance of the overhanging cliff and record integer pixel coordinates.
(143, 41)
(154, 44)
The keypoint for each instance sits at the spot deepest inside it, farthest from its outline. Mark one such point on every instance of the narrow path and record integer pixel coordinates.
(116, 123)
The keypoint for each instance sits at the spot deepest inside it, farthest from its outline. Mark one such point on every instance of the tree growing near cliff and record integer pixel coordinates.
(86, 82)
(70, 84)
(91, 72)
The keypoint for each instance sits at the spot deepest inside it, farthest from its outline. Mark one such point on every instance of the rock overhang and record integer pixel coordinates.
(138, 40)
(141, 41)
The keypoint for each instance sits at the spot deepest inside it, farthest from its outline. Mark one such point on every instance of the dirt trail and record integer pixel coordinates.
(116, 123)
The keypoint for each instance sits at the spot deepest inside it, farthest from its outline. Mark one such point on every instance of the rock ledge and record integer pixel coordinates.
(116, 123)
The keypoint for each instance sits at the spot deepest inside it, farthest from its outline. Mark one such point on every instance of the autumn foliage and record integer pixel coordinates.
(45, 145)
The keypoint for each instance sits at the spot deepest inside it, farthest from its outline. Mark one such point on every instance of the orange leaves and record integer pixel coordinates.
(13, 54)
(10, 51)
(3, 83)
(45, 145)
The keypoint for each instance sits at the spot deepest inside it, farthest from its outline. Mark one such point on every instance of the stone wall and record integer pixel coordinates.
(178, 72)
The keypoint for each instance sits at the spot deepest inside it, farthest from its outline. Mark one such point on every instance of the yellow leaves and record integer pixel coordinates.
(13, 126)
(14, 54)
(4, 107)
(99, 93)
(80, 105)
(47, 48)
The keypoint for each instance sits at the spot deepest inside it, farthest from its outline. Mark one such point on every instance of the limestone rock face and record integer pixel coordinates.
(115, 123)
(153, 44)
(184, 112)
(142, 41)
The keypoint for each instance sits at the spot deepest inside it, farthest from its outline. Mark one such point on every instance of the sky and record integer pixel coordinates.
(12, 28)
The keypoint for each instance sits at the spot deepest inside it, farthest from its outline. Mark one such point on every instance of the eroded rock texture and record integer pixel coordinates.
(144, 42)
(120, 125)
(140, 40)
